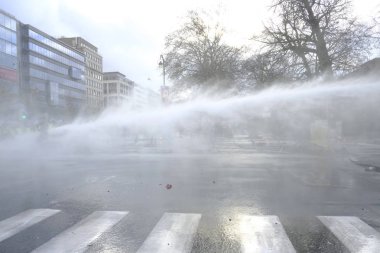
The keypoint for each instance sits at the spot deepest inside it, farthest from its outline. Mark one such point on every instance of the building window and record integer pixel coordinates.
(54, 56)
(112, 88)
(8, 22)
(39, 37)
(8, 35)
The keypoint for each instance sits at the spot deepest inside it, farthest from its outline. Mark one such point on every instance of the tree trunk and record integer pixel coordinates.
(320, 43)
(306, 65)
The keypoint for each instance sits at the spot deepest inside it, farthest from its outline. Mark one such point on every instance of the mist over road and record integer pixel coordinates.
(288, 169)
(219, 186)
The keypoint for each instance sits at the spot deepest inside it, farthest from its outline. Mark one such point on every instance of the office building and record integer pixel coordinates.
(9, 66)
(117, 89)
(93, 72)
(144, 97)
(52, 75)
(153, 98)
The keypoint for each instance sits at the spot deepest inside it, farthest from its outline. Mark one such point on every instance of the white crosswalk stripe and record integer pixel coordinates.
(261, 234)
(174, 233)
(24, 220)
(78, 237)
(353, 233)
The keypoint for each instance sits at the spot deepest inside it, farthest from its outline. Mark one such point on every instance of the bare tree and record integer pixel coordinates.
(322, 34)
(196, 54)
(263, 69)
(290, 37)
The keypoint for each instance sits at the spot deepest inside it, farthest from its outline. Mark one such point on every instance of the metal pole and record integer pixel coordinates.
(163, 67)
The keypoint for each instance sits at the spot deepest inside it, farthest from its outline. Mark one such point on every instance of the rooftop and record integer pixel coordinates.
(116, 74)
(7, 14)
(52, 38)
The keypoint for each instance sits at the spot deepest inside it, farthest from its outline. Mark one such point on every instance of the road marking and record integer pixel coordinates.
(109, 178)
(263, 234)
(21, 221)
(78, 237)
(173, 233)
(355, 235)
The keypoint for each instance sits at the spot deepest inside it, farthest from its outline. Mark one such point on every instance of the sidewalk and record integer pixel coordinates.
(364, 154)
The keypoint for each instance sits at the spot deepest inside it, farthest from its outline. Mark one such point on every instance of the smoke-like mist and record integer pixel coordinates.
(315, 114)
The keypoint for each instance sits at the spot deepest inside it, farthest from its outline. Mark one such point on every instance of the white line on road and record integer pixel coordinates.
(173, 233)
(78, 237)
(355, 235)
(263, 234)
(109, 178)
(21, 221)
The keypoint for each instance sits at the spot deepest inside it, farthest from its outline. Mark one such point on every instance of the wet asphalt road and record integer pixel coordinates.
(219, 186)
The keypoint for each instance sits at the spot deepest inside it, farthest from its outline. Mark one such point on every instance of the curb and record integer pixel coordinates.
(368, 166)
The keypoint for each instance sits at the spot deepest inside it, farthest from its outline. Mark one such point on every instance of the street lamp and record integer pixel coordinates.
(162, 63)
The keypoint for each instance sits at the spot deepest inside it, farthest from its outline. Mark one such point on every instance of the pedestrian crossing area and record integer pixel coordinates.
(175, 232)
(76, 238)
(19, 222)
(236, 144)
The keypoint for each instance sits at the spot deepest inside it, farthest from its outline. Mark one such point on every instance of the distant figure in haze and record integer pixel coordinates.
(43, 127)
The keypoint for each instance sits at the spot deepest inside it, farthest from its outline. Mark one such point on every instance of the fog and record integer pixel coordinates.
(316, 115)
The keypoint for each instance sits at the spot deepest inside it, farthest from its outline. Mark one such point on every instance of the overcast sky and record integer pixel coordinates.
(130, 33)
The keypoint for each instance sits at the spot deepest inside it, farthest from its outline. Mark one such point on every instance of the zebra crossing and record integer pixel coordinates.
(76, 238)
(21, 221)
(264, 234)
(175, 232)
(236, 144)
(355, 235)
(246, 145)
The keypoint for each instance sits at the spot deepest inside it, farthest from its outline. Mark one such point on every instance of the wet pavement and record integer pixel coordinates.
(221, 187)
(366, 155)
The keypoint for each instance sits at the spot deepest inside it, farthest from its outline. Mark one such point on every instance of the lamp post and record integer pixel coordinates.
(164, 89)
(162, 63)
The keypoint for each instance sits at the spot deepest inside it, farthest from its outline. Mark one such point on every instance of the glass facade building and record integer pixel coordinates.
(52, 73)
(9, 65)
(8, 51)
